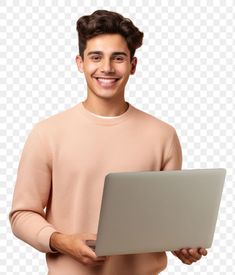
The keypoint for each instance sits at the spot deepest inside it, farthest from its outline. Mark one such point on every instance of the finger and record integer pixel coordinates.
(186, 253)
(87, 261)
(195, 254)
(88, 252)
(188, 256)
(184, 259)
(181, 256)
(203, 251)
(88, 245)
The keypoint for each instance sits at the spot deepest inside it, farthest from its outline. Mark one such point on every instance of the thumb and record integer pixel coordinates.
(89, 252)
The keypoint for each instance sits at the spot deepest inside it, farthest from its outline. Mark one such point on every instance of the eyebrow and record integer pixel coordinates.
(113, 54)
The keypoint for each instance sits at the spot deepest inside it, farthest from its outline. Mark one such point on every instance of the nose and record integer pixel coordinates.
(107, 66)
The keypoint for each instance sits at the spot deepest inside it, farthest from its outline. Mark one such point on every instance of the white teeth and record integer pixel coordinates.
(105, 80)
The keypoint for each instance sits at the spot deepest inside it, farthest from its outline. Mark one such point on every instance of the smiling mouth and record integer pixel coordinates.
(107, 79)
(106, 82)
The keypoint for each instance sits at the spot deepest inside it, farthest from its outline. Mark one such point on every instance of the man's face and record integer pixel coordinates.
(106, 66)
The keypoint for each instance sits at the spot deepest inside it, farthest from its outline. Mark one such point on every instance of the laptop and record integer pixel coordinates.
(154, 211)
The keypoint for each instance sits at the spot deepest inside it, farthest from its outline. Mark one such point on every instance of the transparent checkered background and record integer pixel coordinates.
(185, 76)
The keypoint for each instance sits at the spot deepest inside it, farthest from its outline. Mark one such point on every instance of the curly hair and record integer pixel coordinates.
(103, 22)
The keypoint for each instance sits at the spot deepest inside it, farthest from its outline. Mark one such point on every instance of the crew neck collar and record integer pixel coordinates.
(104, 120)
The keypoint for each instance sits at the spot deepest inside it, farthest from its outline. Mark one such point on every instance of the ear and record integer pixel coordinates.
(79, 62)
(133, 64)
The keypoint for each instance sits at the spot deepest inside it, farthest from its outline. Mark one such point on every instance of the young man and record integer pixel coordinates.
(66, 157)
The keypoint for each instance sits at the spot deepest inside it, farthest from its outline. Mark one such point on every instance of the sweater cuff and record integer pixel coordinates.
(43, 239)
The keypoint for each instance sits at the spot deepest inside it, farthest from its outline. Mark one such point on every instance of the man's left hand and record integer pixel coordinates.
(190, 255)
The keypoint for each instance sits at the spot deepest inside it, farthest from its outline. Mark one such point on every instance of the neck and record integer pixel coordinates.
(106, 107)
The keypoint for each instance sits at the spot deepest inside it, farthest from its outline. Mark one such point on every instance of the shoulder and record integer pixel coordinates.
(57, 122)
(154, 124)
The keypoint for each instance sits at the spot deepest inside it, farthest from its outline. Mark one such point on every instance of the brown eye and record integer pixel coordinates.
(119, 58)
(95, 58)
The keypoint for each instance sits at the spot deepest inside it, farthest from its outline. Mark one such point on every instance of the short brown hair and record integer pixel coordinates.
(102, 22)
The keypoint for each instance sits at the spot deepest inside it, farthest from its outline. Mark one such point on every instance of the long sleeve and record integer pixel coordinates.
(31, 194)
(173, 160)
(62, 170)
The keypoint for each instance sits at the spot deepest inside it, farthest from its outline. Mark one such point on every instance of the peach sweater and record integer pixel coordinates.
(61, 174)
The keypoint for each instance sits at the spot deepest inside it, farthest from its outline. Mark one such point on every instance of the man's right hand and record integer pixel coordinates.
(75, 246)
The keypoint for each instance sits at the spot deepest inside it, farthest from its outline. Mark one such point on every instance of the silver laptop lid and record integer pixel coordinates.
(153, 211)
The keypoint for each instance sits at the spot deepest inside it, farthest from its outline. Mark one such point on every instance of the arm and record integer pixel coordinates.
(31, 194)
(174, 162)
(75, 246)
